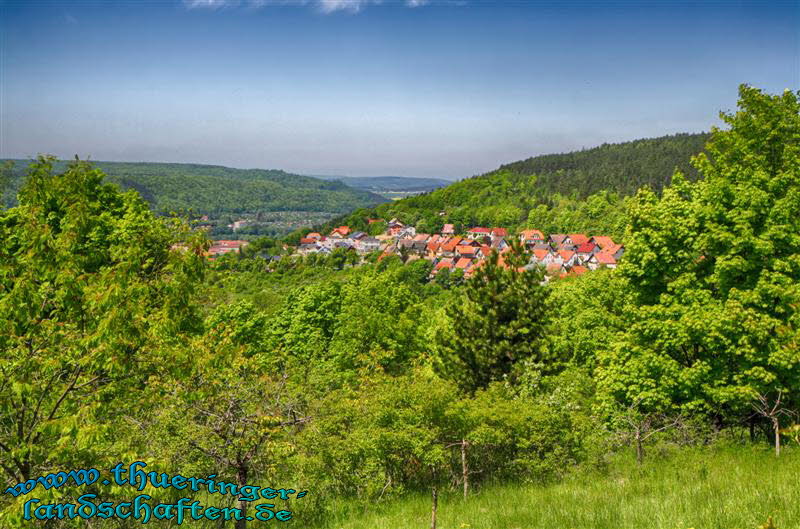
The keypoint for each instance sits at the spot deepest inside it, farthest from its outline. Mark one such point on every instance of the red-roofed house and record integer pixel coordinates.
(469, 251)
(531, 237)
(603, 241)
(478, 231)
(464, 263)
(567, 257)
(449, 247)
(444, 263)
(499, 232)
(577, 270)
(586, 250)
(576, 239)
(601, 259)
(340, 232)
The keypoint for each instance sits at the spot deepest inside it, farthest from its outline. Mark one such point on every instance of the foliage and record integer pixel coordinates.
(91, 295)
(714, 269)
(500, 320)
(217, 190)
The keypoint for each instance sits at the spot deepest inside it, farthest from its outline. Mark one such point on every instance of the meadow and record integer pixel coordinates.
(726, 486)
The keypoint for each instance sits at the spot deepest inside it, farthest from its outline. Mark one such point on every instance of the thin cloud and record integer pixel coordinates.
(209, 4)
(323, 6)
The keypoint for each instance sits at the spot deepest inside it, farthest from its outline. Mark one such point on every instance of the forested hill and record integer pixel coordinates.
(217, 190)
(379, 184)
(619, 167)
(573, 192)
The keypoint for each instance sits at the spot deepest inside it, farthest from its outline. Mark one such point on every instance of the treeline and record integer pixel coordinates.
(216, 190)
(623, 168)
(364, 383)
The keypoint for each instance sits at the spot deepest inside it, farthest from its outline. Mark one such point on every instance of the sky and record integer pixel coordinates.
(438, 88)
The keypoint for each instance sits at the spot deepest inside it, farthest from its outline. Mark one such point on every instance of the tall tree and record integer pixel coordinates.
(499, 320)
(715, 270)
(90, 290)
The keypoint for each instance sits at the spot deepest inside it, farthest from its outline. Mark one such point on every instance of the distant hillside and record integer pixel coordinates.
(619, 167)
(217, 190)
(390, 184)
(577, 191)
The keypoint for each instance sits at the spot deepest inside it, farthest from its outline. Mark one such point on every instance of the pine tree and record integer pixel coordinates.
(499, 320)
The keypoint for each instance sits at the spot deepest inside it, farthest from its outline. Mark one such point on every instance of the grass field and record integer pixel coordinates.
(721, 487)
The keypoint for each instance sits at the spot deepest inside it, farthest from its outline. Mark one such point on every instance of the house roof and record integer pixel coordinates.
(603, 241)
(553, 268)
(557, 238)
(578, 238)
(451, 244)
(229, 244)
(479, 229)
(531, 234)
(314, 235)
(566, 254)
(540, 254)
(466, 250)
(577, 270)
(342, 230)
(500, 232)
(586, 247)
(373, 221)
(444, 263)
(421, 237)
(604, 257)
(463, 263)
(308, 240)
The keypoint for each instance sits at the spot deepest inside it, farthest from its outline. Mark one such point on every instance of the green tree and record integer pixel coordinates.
(91, 296)
(714, 268)
(499, 320)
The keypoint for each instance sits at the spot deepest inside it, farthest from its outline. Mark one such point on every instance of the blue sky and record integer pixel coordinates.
(446, 88)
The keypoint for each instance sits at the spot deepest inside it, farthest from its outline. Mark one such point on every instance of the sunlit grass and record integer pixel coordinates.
(730, 487)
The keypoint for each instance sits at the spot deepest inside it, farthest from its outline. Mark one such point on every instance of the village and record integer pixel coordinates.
(559, 254)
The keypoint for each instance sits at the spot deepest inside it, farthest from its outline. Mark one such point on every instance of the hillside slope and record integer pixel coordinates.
(382, 184)
(578, 191)
(217, 190)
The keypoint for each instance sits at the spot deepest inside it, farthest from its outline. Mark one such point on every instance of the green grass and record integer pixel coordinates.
(721, 487)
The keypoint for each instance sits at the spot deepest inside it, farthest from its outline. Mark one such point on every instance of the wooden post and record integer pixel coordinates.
(435, 501)
(464, 467)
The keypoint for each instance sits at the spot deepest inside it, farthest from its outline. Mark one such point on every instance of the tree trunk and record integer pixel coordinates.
(464, 467)
(639, 448)
(752, 430)
(241, 478)
(435, 504)
(776, 426)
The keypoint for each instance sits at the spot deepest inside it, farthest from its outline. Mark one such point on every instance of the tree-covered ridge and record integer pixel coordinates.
(217, 190)
(583, 191)
(379, 184)
(619, 167)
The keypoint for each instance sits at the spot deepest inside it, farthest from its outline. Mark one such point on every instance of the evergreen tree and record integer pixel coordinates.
(499, 321)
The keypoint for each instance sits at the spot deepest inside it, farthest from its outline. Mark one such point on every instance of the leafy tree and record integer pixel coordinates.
(714, 268)
(91, 295)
